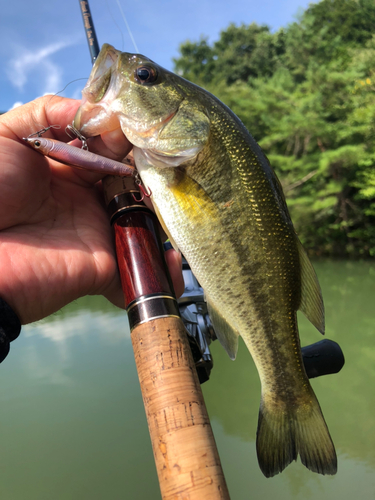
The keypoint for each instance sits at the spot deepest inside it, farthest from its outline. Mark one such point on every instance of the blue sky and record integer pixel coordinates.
(43, 45)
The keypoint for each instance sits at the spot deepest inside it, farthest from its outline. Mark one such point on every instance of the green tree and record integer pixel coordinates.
(241, 52)
(307, 94)
(197, 62)
(327, 30)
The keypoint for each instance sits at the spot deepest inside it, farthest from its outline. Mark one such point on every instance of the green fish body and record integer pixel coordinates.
(220, 202)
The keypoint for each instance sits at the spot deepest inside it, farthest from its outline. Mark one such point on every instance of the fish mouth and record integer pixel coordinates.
(92, 120)
(101, 110)
(95, 119)
(95, 116)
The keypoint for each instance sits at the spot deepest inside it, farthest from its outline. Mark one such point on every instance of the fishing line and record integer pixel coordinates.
(117, 26)
(44, 129)
(67, 85)
(127, 26)
(78, 79)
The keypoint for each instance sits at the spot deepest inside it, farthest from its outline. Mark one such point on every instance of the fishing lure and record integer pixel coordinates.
(76, 157)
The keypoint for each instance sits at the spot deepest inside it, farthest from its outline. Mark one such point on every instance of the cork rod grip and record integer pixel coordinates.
(186, 458)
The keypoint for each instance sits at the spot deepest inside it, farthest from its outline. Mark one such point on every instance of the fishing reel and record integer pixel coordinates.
(194, 314)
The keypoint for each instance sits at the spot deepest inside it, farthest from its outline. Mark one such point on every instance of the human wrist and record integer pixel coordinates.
(10, 327)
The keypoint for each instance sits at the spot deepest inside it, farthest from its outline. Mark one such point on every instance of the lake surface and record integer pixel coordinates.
(72, 423)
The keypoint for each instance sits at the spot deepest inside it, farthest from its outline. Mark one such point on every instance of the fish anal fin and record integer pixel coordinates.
(226, 334)
(311, 303)
(283, 434)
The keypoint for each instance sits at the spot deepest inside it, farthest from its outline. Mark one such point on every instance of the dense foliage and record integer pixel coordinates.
(307, 94)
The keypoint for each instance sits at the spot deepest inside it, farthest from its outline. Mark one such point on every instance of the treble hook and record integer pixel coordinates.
(78, 135)
(144, 193)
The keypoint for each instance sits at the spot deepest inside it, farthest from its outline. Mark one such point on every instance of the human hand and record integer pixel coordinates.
(56, 243)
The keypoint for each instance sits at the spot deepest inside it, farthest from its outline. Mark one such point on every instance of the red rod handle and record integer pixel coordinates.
(137, 240)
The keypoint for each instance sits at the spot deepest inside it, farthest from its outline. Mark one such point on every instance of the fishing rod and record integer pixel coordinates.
(88, 24)
(186, 457)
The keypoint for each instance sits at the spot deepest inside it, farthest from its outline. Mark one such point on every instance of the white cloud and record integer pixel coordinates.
(59, 329)
(58, 334)
(29, 62)
(16, 105)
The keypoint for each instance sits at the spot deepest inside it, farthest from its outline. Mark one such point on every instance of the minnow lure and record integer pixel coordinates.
(79, 158)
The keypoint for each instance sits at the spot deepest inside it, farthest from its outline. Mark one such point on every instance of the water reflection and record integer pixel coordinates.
(61, 333)
(72, 422)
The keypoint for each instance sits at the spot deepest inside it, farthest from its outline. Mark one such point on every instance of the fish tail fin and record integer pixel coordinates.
(283, 434)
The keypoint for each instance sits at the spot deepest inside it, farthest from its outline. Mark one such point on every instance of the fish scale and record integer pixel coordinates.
(218, 198)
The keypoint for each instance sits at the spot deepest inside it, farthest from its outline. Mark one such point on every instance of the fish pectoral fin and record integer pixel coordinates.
(311, 303)
(226, 334)
(164, 227)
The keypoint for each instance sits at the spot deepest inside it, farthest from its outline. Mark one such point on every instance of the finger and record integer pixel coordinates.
(174, 263)
(112, 145)
(40, 113)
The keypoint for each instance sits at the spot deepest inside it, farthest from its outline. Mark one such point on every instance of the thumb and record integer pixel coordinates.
(111, 144)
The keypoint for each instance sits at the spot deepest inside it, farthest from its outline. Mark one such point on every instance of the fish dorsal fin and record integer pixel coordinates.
(226, 334)
(311, 295)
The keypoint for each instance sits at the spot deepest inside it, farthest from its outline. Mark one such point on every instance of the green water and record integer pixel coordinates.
(72, 423)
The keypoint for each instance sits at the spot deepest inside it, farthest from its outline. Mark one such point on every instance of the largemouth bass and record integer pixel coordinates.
(218, 198)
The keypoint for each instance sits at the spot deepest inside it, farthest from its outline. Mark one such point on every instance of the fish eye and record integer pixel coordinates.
(37, 144)
(146, 75)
